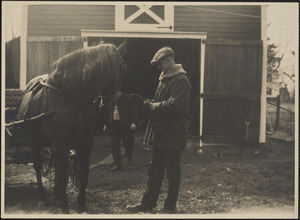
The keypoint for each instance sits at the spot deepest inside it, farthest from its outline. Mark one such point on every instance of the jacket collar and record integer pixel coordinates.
(173, 71)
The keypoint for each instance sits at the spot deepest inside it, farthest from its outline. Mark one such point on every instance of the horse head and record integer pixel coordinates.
(108, 94)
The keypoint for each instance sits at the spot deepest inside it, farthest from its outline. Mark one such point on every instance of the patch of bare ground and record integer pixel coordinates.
(218, 181)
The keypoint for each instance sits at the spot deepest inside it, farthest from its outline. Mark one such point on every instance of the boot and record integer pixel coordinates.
(116, 168)
(139, 208)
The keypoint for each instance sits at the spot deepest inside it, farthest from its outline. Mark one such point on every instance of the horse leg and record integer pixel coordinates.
(37, 165)
(83, 171)
(61, 174)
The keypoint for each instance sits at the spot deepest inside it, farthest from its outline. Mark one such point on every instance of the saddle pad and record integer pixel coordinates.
(33, 87)
(24, 106)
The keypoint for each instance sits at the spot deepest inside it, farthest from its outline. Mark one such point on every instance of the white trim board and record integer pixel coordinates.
(173, 35)
(23, 49)
(134, 34)
(263, 99)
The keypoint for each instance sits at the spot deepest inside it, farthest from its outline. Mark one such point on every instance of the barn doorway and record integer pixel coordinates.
(143, 77)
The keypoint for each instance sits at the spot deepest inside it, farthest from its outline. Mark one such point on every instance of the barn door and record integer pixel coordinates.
(232, 91)
(144, 17)
(43, 51)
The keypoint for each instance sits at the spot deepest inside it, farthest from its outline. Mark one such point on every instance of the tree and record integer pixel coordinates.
(273, 63)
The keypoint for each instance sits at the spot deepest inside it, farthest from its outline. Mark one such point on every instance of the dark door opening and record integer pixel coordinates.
(143, 77)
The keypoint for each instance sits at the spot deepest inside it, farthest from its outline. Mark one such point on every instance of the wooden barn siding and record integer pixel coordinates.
(218, 24)
(42, 54)
(68, 20)
(232, 89)
(12, 64)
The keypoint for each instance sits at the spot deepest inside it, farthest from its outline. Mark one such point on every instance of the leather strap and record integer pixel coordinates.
(50, 86)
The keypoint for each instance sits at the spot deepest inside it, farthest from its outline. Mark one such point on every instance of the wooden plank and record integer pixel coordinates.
(12, 63)
(69, 26)
(232, 89)
(66, 20)
(62, 19)
(232, 69)
(60, 32)
(43, 54)
(13, 97)
(219, 10)
(217, 34)
(218, 24)
(232, 97)
(223, 117)
(83, 9)
(220, 41)
(233, 30)
(233, 139)
(53, 38)
(216, 17)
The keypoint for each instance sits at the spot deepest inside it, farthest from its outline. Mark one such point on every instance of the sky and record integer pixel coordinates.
(283, 25)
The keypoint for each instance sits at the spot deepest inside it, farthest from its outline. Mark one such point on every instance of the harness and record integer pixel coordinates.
(27, 99)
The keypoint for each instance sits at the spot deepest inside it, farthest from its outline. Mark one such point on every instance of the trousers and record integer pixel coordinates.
(163, 160)
(122, 132)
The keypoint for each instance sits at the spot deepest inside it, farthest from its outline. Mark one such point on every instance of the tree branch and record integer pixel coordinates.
(278, 64)
(288, 76)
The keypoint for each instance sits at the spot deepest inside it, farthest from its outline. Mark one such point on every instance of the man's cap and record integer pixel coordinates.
(162, 53)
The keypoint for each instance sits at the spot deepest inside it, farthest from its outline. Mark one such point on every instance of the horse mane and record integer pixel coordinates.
(87, 70)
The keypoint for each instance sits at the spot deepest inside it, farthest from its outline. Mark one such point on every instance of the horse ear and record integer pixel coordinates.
(122, 48)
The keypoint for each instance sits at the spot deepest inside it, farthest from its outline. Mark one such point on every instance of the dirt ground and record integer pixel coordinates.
(221, 180)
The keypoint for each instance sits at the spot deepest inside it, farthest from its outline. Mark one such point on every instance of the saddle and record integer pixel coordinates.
(47, 105)
(34, 86)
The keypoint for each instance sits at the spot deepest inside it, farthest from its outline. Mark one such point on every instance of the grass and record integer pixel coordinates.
(261, 178)
(219, 181)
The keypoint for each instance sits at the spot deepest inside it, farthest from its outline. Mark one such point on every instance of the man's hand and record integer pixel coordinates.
(104, 128)
(107, 129)
(132, 127)
(151, 106)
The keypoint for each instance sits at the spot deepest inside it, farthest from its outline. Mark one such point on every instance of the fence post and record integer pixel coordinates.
(278, 112)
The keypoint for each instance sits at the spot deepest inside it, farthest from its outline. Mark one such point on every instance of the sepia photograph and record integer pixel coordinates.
(167, 109)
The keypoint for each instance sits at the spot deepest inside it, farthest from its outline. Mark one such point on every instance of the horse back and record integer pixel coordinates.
(32, 103)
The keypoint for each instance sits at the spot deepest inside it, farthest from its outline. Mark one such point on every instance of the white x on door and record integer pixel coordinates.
(144, 18)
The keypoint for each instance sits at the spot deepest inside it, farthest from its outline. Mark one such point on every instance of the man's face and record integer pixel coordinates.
(164, 64)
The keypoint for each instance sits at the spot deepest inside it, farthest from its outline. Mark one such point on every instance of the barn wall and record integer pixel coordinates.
(232, 92)
(68, 20)
(12, 64)
(42, 53)
(220, 21)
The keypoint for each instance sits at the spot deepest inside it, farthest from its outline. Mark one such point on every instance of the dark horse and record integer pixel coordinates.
(61, 104)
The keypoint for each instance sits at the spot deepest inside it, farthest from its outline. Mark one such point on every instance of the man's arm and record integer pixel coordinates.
(179, 94)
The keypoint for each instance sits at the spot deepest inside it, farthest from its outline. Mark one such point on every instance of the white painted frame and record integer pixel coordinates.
(263, 99)
(174, 35)
(122, 24)
(23, 48)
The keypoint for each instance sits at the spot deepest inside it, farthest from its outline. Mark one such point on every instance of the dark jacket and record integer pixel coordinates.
(127, 110)
(170, 115)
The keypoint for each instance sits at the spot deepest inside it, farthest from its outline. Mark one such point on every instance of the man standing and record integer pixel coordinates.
(169, 117)
(125, 117)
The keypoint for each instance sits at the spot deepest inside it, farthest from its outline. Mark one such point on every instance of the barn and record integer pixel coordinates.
(221, 46)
